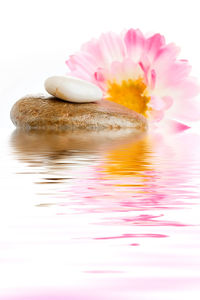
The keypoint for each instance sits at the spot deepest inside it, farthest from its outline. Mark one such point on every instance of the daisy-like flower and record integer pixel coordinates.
(141, 73)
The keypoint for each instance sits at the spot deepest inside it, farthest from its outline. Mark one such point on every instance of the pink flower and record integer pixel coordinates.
(141, 73)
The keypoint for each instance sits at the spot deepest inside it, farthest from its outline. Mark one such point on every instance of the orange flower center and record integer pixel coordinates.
(130, 93)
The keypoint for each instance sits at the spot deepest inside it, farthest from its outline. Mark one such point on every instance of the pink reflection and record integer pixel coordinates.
(149, 220)
(126, 214)
(150, 174)
(130, 235)
(103, 272)
(145, 220)
(53, 295)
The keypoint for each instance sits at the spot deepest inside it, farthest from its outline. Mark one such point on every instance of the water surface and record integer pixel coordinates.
(100, 215)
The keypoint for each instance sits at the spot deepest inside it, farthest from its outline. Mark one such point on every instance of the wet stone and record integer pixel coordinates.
(50, 113)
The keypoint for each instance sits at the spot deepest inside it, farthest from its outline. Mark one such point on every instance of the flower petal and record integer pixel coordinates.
(168, 102)
(153, 45)
(186, 110)
(156, 115)
(111, 48)
(157, 103)
(134, 41)
(172, 126)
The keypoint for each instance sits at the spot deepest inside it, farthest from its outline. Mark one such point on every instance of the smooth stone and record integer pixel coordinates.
(73, 89)
(49, 113)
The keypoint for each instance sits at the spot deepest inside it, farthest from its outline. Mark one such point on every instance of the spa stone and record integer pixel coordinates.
(50, 113)
(73, 89)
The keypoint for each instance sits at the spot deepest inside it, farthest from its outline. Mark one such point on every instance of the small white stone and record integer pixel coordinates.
(73, 89)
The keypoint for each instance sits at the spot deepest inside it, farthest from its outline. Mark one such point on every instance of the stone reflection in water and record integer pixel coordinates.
(111, 172)
(45, 143)
(57, 151)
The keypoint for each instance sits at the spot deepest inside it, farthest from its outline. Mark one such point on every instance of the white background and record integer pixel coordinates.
(37, 36)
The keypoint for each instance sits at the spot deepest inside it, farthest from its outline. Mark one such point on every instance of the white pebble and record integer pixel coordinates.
(73, 89)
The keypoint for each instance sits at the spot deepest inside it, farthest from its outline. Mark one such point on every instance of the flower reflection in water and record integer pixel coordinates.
(147, 174)
(129, 208)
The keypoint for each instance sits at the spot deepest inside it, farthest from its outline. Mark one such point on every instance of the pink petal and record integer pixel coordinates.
(186, 110)
(168, 52)
(100, 78)
(153, 45)
(82, 64)
(157, 115)
(153, 79)
(99, 75)
(165, 57)
(131, 70)
(188, 88)
(176, 72)
(134, 41)
(81, 74)
(111, 48)
(168, 101)
(157, 103)
(92, 48)
(129, 67)
(173, 126)
(116, 71)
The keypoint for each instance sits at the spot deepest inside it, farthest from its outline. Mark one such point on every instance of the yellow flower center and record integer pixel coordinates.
(130, 93)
